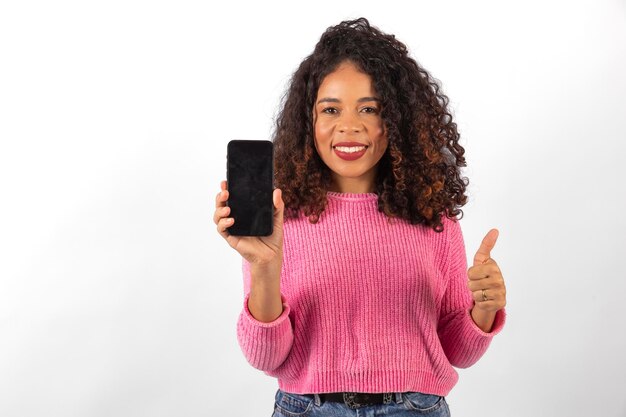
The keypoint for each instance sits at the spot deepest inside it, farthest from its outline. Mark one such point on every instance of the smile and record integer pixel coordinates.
(350, 153)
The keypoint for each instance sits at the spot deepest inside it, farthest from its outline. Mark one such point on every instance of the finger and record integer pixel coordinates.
(488, 283)
(220, 213)
(491, 305)
(279, 204)
(484, 251)
(478, 296)
(223, 225)
(277, 198)
(221, 198)
(487, 294)
(483, 271)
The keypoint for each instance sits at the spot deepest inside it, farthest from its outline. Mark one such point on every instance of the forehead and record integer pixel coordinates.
(345, 80)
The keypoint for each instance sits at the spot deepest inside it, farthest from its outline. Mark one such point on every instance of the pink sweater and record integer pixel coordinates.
(367, 306)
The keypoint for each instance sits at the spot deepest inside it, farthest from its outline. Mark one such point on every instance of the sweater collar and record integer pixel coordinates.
(351, 196)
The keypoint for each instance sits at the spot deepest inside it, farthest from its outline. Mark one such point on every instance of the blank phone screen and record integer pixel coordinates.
(249, 173)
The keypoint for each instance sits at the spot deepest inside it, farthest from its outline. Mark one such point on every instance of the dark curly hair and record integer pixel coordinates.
(418, 178)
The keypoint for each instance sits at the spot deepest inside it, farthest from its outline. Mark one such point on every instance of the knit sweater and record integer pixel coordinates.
(368, 306)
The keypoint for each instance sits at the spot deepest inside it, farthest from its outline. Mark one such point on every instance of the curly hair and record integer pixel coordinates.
(418, 178)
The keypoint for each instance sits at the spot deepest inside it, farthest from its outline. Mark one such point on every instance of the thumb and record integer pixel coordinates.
(279, 204)
(486, 246)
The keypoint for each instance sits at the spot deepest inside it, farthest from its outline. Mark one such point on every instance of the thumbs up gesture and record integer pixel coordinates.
(486, 283)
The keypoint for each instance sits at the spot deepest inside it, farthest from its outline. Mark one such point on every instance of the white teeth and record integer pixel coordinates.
(352, 149)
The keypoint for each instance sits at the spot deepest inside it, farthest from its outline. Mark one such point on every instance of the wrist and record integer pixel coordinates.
(264, 302)
(484, 319)
(266, 273)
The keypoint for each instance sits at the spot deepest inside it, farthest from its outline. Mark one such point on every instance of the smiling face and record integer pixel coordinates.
(350, 136)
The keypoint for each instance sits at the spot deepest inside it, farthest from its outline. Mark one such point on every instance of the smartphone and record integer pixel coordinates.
(250, 176)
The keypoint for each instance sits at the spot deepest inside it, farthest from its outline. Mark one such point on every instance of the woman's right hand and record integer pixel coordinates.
(255, 249)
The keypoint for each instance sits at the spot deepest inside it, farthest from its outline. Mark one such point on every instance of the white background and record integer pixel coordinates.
(119, 298)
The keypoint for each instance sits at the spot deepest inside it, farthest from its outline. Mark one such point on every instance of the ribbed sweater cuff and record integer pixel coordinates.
(497, 326)
(464, 342)
(265, 345)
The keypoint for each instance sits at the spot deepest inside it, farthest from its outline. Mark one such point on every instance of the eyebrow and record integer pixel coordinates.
(336, 100)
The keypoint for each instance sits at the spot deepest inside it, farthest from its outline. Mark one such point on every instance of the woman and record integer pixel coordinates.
(361, 298)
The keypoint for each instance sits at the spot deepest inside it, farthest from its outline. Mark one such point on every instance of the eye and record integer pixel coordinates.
(370, 110)
(329, 110)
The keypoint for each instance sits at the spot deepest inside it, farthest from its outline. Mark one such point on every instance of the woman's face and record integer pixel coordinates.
(350, 136)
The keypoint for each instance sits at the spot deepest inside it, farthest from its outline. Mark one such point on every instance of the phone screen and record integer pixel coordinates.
(249, 172)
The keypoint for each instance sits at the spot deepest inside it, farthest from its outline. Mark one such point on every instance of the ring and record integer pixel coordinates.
(484, 295)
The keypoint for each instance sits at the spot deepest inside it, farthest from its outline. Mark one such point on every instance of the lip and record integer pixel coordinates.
(349, 156)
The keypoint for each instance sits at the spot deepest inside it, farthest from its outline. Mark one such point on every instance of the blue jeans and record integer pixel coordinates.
(403, 404)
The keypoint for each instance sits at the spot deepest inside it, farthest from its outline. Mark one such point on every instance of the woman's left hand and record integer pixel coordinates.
(485, 281)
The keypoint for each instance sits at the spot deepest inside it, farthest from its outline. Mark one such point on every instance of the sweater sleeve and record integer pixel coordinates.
(265, 345)
(463, 342)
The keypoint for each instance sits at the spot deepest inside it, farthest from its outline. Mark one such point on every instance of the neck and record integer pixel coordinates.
(352, 185)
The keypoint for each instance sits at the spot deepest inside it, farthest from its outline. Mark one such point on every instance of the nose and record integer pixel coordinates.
(349, 123)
